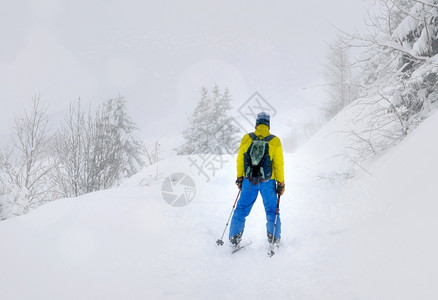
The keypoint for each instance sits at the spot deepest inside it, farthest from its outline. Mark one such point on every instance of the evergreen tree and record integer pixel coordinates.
(210, 128)
(418, 32)
(123, 128)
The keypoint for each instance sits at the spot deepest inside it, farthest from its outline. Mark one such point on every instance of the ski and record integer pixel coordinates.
(240, 247)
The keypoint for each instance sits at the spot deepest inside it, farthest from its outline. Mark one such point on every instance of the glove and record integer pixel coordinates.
(239, 181)
(280, 188)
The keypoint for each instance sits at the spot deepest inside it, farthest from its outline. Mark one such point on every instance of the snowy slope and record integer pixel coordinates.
(388, 225)
(128, 243)
(393, 250)
(373, 237)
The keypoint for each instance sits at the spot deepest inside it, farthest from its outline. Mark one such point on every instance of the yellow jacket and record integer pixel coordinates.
(275, 153)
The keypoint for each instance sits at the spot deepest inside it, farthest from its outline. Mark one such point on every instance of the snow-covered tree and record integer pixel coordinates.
(24, 165)
(94, 152)
(417, 36)
(225, 130)
(390, 13)
(70, 154)
(210, 128)
(91, 151)
(153, 152)
(121, 126)
(417, 33)
(398, 72)
(380, 54)
(341, 89)
(198, 134)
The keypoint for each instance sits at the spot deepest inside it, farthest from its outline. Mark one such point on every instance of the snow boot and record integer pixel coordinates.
(276, 240)
(235, 239)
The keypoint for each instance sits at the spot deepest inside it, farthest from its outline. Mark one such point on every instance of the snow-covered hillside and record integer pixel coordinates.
(372, 237)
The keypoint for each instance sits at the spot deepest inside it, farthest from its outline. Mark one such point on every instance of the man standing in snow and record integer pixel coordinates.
(268, 188)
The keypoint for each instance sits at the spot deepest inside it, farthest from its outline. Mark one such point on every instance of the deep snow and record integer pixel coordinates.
(372, 237)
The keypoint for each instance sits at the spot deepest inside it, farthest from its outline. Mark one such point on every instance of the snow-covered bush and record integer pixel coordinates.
(94, 151)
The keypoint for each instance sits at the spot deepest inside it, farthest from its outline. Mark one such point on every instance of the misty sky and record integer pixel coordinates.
(158, 54)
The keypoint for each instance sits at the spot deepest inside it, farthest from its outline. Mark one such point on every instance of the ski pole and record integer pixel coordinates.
(275, 227)
(220, 242)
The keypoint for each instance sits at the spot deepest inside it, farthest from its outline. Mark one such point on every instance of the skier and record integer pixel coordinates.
(268, 188)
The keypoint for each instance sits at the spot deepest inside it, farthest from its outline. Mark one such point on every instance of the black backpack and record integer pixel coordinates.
(256, 160)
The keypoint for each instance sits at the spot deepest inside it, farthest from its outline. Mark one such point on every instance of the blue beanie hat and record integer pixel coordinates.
(263, 118)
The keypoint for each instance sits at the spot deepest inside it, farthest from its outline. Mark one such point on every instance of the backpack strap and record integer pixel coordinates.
(254, 137)
(269, 137)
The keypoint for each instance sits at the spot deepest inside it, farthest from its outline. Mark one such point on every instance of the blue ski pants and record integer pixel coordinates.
(247, 199)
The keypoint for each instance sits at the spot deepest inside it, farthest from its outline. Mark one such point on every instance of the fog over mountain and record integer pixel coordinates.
(159, 54)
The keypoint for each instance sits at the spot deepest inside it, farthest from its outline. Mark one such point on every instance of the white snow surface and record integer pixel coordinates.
(372, 237)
